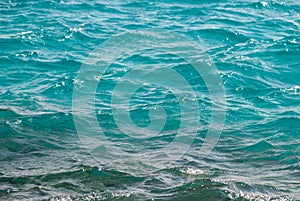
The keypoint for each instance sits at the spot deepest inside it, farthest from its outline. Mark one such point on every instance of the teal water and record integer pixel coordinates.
(255, 45)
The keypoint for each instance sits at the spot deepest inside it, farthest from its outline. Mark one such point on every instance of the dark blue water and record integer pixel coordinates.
(49, 143)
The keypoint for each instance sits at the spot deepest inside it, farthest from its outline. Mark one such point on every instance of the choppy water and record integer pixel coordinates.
(254, 45)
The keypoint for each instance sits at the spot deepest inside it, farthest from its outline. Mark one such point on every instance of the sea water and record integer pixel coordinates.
(50, 149)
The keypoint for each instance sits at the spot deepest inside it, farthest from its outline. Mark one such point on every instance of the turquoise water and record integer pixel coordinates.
(255, 45)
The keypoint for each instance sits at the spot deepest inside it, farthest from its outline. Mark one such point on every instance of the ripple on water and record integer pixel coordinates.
(254, 45)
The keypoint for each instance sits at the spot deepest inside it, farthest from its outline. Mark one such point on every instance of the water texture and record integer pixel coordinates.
(255, 45)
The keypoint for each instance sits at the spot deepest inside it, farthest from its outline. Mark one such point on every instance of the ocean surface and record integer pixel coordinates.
(255, 49)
